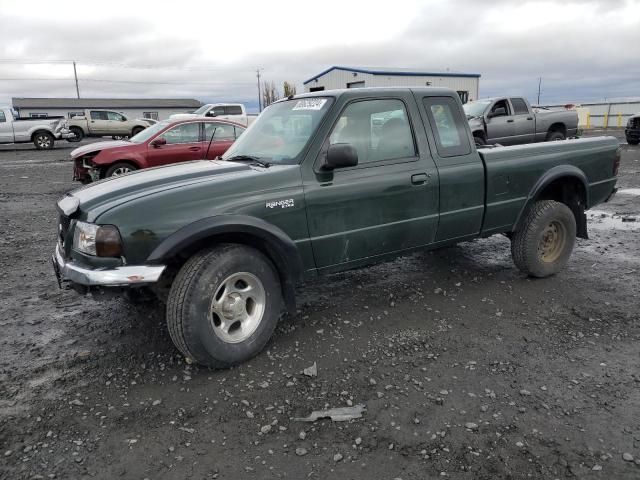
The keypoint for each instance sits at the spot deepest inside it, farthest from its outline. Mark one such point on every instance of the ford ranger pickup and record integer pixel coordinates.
(321, 183)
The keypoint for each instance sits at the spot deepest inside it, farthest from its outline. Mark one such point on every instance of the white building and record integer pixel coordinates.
(336, 77)
(155, 108)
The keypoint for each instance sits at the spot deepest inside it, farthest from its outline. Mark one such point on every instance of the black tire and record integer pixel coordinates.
(632, 141)
(555, 136)
(136, 131)
(480, 141)
(195, 328)
(544, 242)
(78, 134)
(43, 140)
(120, 168)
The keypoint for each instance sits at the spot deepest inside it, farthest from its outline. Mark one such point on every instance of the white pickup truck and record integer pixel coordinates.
(43, 132)
(234, 112)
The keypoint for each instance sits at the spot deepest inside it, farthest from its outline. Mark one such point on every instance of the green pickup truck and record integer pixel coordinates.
(321, 183)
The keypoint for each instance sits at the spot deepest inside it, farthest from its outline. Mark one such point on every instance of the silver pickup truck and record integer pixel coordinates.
(512, 121)
(43, 132)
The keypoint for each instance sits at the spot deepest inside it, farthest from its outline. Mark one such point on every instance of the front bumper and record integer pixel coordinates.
(64, 133)
(632, 134)
(68, 271)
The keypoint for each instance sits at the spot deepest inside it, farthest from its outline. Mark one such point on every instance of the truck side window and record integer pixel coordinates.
(501, 104)
(233, 110)
(447, 126)
(2, 117)
(115, 116)
(377, 129)
(98, 115)
(519, 106)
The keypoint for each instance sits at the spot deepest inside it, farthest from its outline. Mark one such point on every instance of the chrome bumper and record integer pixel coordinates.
(116, 277)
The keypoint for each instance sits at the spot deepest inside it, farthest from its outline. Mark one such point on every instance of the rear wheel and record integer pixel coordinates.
(544, 242)
(43, 140)
(119, 168)
(78, 134)
(136, 131)
(224, 305)
(555, 136)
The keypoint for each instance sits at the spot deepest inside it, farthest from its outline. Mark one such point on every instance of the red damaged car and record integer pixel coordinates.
(169, 141)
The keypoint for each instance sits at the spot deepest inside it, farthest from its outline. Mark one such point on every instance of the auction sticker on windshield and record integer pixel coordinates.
(310, 104)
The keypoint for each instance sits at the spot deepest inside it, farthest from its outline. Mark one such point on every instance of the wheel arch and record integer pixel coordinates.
(557, 127)
(241, 229)
(566, 184)
(41, 130)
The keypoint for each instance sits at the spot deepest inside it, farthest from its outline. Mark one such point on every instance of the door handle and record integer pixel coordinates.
(510, 120)
(419, 178)
(529, 118)
(194, 149)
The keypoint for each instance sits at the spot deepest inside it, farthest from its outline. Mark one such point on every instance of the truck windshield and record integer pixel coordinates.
(148, 132)
(475, 109)
(202, 109)
(282, 131)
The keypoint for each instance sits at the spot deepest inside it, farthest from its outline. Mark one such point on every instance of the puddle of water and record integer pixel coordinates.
(629, 191)
(600, 220)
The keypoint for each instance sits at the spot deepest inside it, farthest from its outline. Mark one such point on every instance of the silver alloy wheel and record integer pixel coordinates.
(44, 141)
(121, 171)
(237, 307)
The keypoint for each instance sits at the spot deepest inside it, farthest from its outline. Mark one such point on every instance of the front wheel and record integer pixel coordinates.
(633, 141)
(119, 168)
(43, 141)
(555, 136)
(78, 134)
(544, 242)
(136, 131)
(224, 305)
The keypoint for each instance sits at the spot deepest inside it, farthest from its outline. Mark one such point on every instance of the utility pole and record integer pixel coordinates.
(539, 84)
(75, 74)
(259, 91)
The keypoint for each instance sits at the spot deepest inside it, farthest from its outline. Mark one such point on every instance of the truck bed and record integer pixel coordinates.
(513, 172)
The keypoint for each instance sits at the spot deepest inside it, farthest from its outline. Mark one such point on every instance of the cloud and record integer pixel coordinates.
(582, 49)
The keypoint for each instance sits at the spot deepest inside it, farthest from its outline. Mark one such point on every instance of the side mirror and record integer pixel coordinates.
(123, 119)
(158, 142)
(340, 155)
(498, 112)
(211, 113)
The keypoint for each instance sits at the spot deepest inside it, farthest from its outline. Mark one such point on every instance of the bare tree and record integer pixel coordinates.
(269, 93)
(289, 89)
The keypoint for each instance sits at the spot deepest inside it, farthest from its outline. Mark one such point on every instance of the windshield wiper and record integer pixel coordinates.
(250, 158)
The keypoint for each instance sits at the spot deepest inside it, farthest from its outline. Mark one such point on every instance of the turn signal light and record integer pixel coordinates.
(108, 242)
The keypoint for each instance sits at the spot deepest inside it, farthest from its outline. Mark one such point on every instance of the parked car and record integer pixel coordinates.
(234, 112)
(313, 188)
(512, 121)
(632, 131)
(161, 144)
(43, 132)
(100, 123)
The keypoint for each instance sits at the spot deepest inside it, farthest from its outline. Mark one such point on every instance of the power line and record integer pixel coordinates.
(138, 82)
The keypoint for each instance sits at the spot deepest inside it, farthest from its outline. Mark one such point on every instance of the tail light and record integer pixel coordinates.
(616, 161)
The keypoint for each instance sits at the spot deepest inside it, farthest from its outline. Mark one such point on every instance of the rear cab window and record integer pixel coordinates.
(519, 106)
(447, 126)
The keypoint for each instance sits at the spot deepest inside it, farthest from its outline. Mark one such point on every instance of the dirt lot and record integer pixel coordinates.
(467, 368)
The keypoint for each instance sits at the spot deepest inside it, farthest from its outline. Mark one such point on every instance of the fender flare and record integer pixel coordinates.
(549, 176)
(273, 242)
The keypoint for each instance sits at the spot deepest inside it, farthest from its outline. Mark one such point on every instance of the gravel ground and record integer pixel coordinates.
(467, 368)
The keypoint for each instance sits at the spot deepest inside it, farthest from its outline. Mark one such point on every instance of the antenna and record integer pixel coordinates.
(206, 155)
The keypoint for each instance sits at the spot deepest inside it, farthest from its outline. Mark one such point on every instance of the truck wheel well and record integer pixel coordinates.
(176, 261)
(42, 130)
(571, 192)
(480, 134)
(558, 127)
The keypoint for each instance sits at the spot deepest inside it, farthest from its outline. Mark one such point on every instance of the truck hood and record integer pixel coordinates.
(99, 146)
(98, 197)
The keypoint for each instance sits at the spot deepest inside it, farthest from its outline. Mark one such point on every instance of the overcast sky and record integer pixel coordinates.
(583, 50)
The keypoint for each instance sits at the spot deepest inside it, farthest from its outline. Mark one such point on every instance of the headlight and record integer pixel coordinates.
(99, 240)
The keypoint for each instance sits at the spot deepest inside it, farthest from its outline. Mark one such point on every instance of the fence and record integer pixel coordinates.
(605, 115)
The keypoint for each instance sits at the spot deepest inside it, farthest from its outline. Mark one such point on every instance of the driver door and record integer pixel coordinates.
(117, 124)
(183, 144)
(501, 128)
